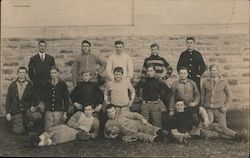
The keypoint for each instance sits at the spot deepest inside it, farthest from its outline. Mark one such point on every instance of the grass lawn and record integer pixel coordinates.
(18, 145)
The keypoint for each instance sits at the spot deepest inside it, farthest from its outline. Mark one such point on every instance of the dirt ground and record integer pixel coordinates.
(18, 145)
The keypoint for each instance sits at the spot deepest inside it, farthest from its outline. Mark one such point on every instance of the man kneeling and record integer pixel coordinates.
(130, 126)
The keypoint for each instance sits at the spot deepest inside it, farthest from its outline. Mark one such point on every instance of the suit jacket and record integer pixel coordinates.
(39, 71)
(15, 105)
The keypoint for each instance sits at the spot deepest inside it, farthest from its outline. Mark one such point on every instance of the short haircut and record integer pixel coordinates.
(109, 106)
(119, 42)
(190, 38)
(151, 65)
(182, 68)
(212, 66)
(54, 68)
(154, 45)
(118, 69)
(85, 41)
(22, 68)
(86, 71)
(92, 106)
(179, 100)
(42, 41)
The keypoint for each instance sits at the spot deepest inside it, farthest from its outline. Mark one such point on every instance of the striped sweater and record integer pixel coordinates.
(162, 68)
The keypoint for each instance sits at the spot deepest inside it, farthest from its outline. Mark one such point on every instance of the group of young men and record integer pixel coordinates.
(188, 110)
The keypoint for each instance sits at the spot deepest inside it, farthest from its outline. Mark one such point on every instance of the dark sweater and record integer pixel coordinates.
(56, 98)
(152, 89)
(87, 93)
(184, 121)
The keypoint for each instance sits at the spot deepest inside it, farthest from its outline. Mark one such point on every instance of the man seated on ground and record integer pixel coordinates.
(192, 122)
(82, 126)
(131, 126)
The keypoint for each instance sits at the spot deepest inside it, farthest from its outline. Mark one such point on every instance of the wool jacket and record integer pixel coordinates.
(215, 96)
(55, 97)
(193, 61)
(14, 105)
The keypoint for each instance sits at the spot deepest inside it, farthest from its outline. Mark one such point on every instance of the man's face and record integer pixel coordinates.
(179, 106)
(190, 44)
(54, 74)
(213, 72)
(21, 74)
(88, 110)
(183, 74)
(154, 51)
(119, 48)
(111, 113)
(86, 76)
(118, 76)
(85, 48)
(42, 47)
(150, 72)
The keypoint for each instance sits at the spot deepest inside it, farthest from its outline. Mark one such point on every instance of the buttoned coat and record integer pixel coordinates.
(14, 105)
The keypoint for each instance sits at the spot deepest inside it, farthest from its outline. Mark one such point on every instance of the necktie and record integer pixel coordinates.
(42, 57)
(213, 82)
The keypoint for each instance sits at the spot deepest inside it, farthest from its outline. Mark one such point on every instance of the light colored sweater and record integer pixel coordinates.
(119, 60)
(119, 92)
(87, 62)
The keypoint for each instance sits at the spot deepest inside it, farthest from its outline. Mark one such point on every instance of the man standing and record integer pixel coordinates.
(119, 59)
(152, 92)
(193, 61)
(162, 68)
(40, 65)
(87, 62)
(215, 96)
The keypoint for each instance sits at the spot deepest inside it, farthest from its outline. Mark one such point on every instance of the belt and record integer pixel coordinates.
(120, 106)
(154, 102)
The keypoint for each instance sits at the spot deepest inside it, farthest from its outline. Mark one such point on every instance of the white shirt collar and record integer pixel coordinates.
(41, 54)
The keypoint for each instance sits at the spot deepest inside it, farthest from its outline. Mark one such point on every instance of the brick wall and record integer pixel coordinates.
(230, 51)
